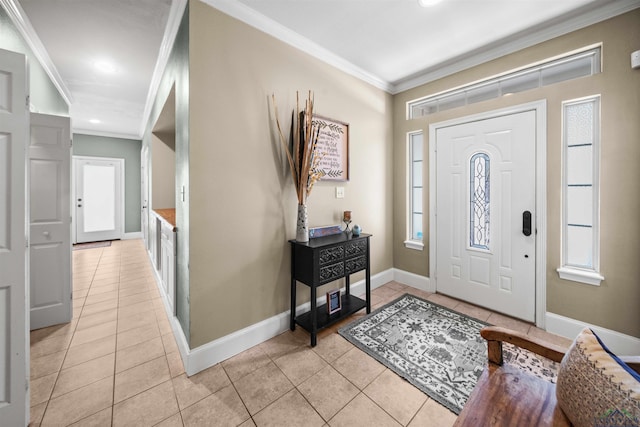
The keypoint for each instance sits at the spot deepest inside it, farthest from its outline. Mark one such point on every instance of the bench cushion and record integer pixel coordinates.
(593, 386)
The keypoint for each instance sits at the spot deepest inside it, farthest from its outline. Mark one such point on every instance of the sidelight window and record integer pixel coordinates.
(414, 193)
(580, 191)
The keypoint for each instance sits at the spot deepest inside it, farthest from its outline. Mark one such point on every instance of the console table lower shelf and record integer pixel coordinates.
(350, 305)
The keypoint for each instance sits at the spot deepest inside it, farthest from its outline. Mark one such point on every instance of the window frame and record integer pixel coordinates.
(471, 194)
(410, 242)
(569, 271)
(498, 85)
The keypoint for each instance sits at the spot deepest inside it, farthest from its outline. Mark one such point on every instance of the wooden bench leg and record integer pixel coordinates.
(494, 350)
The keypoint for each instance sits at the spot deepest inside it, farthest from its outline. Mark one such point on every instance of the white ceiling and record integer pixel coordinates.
(394, 44)
(394, 39)
(125, 33)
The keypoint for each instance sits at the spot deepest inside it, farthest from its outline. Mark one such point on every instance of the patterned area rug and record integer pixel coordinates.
(438, 350)
(91, 245)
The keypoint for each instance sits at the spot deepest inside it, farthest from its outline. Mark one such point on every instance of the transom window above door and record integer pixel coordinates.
(572, 65)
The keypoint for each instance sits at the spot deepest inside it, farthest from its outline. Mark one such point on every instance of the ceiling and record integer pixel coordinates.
(109, 54)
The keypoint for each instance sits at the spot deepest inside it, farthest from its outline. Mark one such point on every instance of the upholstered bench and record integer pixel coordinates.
(594, 387)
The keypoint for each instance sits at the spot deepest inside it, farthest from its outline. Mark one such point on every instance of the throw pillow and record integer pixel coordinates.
(595, 388)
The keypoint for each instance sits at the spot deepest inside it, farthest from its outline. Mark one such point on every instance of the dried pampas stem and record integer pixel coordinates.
(301, 153)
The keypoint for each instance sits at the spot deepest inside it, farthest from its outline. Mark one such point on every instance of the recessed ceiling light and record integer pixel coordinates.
(427, 3)
(94, 121)
(104, 66)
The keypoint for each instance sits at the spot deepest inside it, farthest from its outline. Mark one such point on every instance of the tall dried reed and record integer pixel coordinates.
(302, 147)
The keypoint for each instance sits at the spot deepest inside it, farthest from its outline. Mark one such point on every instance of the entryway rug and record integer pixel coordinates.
(91, 245)
(438, 350)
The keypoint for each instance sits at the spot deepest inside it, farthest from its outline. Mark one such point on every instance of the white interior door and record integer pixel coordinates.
(486, 184)
(50, 220)
(98, 198)
(14, 355)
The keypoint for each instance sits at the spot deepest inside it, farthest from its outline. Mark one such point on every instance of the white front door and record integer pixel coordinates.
(98, 203)
(14, 355)
(50, 220)
(485, 218)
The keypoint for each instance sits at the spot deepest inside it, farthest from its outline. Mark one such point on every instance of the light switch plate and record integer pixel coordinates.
(339, 192)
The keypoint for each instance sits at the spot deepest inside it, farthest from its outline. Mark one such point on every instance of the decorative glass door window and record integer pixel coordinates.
(479, 201)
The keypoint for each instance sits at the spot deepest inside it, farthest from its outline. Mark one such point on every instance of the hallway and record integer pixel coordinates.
(117, 363)
(118, 345)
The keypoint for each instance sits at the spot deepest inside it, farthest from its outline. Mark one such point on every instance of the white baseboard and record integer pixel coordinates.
(413, 280)
(621, 344)
(132, 236)
(213, 352)
(207, 355)
(178, 333)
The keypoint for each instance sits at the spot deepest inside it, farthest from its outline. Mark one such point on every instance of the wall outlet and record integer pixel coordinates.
(339, 192)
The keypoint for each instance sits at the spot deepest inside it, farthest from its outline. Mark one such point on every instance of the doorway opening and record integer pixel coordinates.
(159, 198)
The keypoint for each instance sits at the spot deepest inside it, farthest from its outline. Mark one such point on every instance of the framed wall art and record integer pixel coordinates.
(333, 146)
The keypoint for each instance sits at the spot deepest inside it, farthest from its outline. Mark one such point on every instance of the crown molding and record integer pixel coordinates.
(256, 20)
(171, 31)
(93, 132)
(583, 17)
(573, 21)
(22, 23)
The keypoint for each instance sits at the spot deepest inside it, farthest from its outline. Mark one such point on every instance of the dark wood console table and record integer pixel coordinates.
(323, 260)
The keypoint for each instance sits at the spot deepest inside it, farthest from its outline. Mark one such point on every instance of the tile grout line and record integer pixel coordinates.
(115, 355)
(418, 411)
(241, 399)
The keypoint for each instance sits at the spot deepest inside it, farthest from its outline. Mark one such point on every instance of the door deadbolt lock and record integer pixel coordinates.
(526, 223)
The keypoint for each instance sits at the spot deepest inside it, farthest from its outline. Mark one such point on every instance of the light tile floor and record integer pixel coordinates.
(117, 364)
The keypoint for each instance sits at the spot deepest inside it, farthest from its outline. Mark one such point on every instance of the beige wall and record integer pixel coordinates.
(163, 171)
(615, 303)
(242, 201)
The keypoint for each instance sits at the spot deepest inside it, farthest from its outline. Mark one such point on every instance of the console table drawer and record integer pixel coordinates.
(355, 264)
(331, 272)
(330, 255)
(358, 247)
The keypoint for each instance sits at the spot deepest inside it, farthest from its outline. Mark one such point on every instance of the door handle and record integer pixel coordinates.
(526, 223)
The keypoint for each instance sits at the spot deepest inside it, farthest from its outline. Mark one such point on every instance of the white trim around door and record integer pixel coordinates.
(540, 108)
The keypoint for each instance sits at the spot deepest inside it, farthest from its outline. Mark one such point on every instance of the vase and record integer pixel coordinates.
(302, 230)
